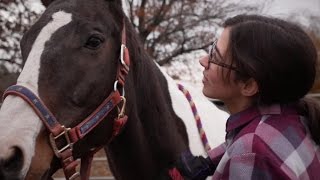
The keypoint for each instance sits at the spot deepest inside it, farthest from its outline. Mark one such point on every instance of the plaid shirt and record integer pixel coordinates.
(267, 143)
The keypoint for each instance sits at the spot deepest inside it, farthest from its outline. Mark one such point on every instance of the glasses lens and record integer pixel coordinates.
(216, 58)
(212, 53)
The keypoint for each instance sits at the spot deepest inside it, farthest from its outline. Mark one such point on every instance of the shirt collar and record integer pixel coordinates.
(243, 117)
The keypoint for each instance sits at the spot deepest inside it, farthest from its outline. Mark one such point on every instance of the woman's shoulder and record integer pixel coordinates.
(277, 128)
(280, 133)
(286, 143)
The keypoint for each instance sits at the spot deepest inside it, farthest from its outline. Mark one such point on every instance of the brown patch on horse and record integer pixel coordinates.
(42, 158)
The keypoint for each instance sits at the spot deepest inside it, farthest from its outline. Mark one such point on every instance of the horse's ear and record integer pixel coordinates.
(46, 3)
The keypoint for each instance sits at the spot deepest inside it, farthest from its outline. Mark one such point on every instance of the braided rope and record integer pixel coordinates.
(196, 117)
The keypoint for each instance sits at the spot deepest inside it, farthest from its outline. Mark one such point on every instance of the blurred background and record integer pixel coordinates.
(174, 32)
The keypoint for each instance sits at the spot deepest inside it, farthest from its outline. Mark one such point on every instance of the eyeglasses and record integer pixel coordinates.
(215, 57)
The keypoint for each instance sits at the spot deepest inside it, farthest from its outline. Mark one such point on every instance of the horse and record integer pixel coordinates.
(82, 58)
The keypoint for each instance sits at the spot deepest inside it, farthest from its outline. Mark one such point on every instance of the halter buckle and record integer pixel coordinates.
(53, 141)
(115, 87)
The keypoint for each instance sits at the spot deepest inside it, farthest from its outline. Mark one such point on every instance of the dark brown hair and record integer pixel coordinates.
(282, 59)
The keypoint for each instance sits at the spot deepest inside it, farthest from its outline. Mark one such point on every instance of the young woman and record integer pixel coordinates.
(262, 68)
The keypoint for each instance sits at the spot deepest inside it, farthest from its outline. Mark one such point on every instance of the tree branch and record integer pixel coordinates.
(11, 61)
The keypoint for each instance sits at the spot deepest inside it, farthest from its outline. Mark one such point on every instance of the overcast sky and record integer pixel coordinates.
(283, 7)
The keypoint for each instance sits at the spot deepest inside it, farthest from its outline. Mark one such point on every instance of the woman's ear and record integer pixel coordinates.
(46, 3)
(249, 88)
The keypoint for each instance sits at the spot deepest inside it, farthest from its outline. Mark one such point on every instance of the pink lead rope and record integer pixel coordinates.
(196, 117)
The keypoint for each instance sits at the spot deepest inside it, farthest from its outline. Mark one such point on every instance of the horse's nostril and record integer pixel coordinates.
(14, 162)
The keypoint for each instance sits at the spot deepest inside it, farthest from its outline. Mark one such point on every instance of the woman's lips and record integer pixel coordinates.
(204, 79)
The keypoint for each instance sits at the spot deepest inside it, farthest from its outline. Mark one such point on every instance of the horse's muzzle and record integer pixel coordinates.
(11, 166)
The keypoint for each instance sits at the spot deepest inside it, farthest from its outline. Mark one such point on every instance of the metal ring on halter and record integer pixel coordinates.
(123, 92)
(115, 87)
(122, 53)
(121, 111)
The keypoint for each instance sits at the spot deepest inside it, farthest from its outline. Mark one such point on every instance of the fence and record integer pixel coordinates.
(99, 170)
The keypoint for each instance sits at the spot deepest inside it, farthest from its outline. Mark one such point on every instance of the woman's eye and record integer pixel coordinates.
(94, 42)
(217, 58)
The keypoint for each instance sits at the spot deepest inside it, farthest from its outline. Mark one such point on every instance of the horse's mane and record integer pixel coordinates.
(150, 89)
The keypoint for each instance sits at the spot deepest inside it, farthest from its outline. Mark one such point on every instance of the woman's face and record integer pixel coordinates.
(216, 83)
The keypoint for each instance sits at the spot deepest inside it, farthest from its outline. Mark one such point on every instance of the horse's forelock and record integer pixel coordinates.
(46, 3)
(118, 2)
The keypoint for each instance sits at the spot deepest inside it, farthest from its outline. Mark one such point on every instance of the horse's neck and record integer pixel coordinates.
(161, 124)
(154, 135)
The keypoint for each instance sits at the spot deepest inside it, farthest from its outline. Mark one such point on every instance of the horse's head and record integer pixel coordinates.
(71, 57)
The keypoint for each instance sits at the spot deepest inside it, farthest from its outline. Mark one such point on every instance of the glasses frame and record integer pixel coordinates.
(215, 55)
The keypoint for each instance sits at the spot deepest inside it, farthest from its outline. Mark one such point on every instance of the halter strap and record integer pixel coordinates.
(50, 121)
(70, 136)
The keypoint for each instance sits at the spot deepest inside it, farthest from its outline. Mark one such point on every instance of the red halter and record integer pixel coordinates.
(70, 136)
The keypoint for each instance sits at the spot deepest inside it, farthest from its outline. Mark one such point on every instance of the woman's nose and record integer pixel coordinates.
(204, 61)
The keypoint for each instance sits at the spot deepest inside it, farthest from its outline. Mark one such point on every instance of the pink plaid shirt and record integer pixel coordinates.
(267, 143)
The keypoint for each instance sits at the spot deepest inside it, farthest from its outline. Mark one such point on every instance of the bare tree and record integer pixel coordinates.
(16, 17)
(170, 28)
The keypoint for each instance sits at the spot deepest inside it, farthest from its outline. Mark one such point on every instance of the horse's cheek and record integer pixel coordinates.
(41, 159)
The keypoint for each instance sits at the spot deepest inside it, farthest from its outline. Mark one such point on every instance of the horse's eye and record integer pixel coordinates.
(94, 42)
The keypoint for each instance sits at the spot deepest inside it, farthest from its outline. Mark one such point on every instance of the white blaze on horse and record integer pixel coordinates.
(83, 65)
